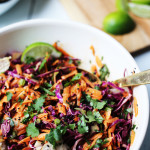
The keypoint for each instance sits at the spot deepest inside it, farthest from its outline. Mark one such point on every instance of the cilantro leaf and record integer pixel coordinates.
(29, 59)
(42, 64)
(20, 100)
(99, 119)
(82, 127)
(9, 96)
(90, 116)
(56, 135)
(96, 104)
(39, 103)
(48, 85)
(76, 77)
(94, 116)
(104, 72)
(83, 112)
(72, 126)
(50, 138)
(32, 130)
(48, 91)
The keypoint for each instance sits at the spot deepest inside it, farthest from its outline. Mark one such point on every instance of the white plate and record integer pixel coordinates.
(5, 6)
(76, 39)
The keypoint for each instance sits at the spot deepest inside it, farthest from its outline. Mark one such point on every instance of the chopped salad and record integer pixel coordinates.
(47, 103)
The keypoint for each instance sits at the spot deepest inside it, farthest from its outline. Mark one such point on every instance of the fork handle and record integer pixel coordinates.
(135, 79)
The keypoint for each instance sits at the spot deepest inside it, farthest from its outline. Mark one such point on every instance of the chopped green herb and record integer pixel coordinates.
(97, 87)
(32, 130)
(76, 77)
(70, 61)
(56, 135)
(108, 109)
(72, 126)
(20, 101)
(96, 104)
(39, 103)
(42, 64)
(57, 121)
(94, 116)
(81, 110)
(9, 96)
(99, 119)
(48, 85)
(82, 127)
(48, 91)
(29, 59)
(133, 127)
(22, 82)
(104, 72)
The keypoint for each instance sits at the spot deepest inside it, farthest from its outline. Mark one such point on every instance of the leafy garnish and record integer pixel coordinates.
(82, 127)
(22, 82)
(9, 96)
(75, 78)
(39, 103)
(95, 103)
(94, 116)
(48, 91)
(48, 85)
(133, 127)
(20, 101)
(29, 59)
(42, 64)
(32, 130)
(83, 112)
(55, 135)
(72, 126)
(104, 72)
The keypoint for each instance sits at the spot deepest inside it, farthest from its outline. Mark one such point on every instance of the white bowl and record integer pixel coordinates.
(76, 39)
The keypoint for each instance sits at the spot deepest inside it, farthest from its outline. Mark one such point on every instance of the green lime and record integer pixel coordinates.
(118, 22)
(140, 10)
(122, 5)
(141, 1)
(38, 50)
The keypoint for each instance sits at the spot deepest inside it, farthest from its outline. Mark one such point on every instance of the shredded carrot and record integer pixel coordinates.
(93, 50)
(40, 137)
(135, 105)
(69, 75)
(19, 70)
(21, 132)
(99, 62)
(132, 136)
(87, 81)
(61, 108)
(45, 131)
(66, 95)
(95, 94)
(25, 140)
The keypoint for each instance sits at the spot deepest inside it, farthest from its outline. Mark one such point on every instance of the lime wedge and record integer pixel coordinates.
(140, 10)
(38, 50)
(122, 5)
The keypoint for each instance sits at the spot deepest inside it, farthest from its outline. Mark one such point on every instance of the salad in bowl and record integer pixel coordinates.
(47, 103)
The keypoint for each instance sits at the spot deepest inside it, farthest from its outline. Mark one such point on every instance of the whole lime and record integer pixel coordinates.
(118, 22)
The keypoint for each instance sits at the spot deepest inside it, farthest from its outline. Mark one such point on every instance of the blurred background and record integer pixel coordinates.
(129, 21)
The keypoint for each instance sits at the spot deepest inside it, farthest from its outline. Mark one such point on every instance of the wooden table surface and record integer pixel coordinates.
(52, 9)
